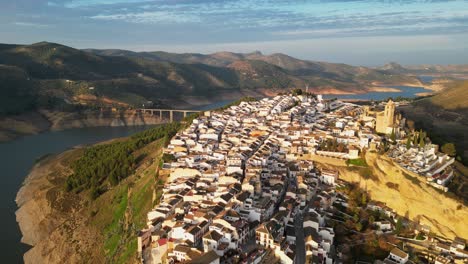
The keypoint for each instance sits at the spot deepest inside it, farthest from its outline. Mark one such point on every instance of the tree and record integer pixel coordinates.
(408, 143)
(392, 135)
(358, 226)
(399, 226)
(422, 139)
(297, 91)
(356, 218)
(363, 199)
(114, 178)
(449, 149)
(334, 145)
(416, 138)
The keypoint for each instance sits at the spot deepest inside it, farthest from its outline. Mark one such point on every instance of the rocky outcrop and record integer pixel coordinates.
(410, 196)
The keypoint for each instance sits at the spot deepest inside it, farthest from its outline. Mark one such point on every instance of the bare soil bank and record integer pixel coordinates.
(51, 220)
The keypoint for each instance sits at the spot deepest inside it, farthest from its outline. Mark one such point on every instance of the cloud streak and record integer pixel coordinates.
(291, 16)
(29, 24)
(211, 23)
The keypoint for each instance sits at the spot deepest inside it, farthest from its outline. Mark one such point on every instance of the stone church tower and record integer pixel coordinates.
(389, 113)
(385, 121)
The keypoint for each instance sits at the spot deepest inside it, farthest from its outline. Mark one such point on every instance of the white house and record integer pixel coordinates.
(398, 256)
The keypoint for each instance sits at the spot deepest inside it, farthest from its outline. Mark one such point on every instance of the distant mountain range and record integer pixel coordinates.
(396, 68)
(52, 75)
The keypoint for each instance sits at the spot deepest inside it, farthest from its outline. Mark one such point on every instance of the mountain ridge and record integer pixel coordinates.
(56, 75)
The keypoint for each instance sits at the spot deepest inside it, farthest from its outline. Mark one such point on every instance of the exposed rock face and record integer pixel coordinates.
(36, 122)
(24, 124)
(412, 197)
(51, 220)
(60, 120)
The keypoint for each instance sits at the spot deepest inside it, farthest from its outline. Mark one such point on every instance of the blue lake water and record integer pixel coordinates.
(405, 91)
(426, 78)
(213, 106)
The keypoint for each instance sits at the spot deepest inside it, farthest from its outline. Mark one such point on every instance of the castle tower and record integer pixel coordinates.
(389, 113)
(385, 120)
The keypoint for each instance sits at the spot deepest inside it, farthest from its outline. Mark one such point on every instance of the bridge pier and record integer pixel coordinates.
(171, 115)
(185, 114)
(160, 114)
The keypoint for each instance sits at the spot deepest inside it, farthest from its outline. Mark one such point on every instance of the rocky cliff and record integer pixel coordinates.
(50, 219)
(69, 227)
(410, 196)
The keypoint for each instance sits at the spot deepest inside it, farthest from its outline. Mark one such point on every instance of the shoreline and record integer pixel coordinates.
(34, 123)
(384, 89)
(42, 223)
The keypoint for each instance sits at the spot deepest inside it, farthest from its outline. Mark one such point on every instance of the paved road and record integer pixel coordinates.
(300, 242)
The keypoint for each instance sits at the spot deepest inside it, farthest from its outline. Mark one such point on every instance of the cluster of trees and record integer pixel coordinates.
(168, 158)
(417, 139)
(361, 219)
(111, 163)
(449, 149)
(420, 138)
(299, 91)
(357, 201)
(332, 145)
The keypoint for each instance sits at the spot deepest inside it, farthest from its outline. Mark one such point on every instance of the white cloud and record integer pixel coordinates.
(373, 29)
(154, 17)
(29, 24)
(88, 3)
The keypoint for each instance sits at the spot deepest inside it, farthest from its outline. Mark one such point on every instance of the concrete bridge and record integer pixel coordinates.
(170, 111)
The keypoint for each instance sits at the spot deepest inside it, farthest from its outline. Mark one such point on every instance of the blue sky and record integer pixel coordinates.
(355, 32)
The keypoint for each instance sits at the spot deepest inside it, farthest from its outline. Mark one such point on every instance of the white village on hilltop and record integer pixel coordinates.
(243, 185)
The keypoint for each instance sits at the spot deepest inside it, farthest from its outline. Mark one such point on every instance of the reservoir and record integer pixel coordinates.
(405, 91)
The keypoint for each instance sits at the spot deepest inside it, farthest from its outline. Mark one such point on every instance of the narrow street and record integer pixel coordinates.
(300, 243)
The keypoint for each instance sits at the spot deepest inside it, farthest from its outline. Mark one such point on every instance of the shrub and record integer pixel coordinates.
(392, 185)
(357, 162)
(414, 180)
(449, 149)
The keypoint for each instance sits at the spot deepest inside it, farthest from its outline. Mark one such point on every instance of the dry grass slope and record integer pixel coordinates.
(454, 97)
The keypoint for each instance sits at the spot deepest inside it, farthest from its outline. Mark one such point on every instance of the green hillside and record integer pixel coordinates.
(331, 73)
(16, 89)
